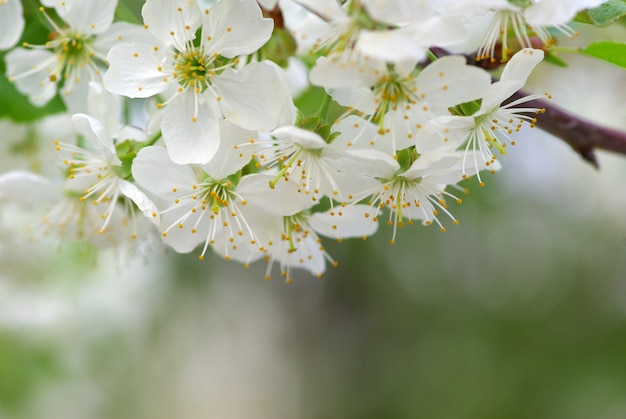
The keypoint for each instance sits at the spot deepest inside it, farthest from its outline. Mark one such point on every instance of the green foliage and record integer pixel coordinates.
(603, 15)
(466, 109)
(22, 368)
(612, 52)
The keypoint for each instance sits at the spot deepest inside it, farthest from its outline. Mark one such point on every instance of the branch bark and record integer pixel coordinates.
(582, 135)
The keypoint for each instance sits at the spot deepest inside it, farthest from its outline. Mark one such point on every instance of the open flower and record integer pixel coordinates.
(398, 99)
(491, 125)
(206, 81)
(208, 204)
(523, 19)
(95, 170)
(75, 54)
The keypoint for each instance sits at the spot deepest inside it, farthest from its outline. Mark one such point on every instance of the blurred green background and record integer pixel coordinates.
(518, 312)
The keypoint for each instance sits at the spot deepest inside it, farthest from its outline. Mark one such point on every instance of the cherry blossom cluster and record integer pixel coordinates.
(182, 128)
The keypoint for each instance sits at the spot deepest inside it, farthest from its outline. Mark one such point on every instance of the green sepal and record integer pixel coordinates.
(127, 151)
(603, 15)
(405, 159)
(466, 108)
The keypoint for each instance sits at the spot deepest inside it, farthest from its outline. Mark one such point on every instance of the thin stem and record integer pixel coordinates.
(151, 140)
(322, 112)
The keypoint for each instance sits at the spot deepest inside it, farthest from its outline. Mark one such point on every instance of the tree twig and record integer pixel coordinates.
(582, 135)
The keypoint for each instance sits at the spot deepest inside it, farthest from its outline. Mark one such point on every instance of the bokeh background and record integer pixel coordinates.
(517, 312)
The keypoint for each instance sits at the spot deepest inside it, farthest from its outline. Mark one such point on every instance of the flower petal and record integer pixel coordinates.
(173, 22)
(347, 222)
(30, 70)
(235, 27)
(85, 17)
(253, 97)
(28, 188)
(11, 22)
(136, 70)
(190, 129)
(94, 131)
(230, 156)
(283, 199)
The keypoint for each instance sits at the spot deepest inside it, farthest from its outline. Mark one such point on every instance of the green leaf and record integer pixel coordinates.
(603, 15)
(612, 52)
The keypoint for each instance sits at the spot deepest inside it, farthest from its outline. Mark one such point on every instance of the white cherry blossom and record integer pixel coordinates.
(206, 82)
(493, 123)
(399, 99)
(75, 55)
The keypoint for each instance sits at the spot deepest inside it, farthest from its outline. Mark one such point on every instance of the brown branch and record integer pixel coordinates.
(582, 135)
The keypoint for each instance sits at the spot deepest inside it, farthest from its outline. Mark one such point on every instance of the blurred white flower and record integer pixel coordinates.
(75, 55)
(11, 22)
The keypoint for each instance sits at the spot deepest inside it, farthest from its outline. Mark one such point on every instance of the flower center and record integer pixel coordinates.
(194, 68)
(73, 51)
(392, 91)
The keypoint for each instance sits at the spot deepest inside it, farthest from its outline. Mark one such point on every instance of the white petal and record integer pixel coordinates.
(173, 22)
(556, 12)
(344, 223)
(308, 254)
(372, 163)
(131, 133)
(521, 65)
(450, 81)
(86, 16)
(76, 95)
(105, 106)
(253, 97)
(397, 11)
(360, 98)
(235, 27)
(376, 44)
(28, 188)
(283, 199)
(346, 70)
(230, 157)
(432, 162)
(145, 205)
(443, 133)
(94, 131)
(306, 139)
(136, 70)
(513, 78)
(190, 129)
(125, 32)
(182, 240)
(155, 172)
(37, 64)
(11, 22)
